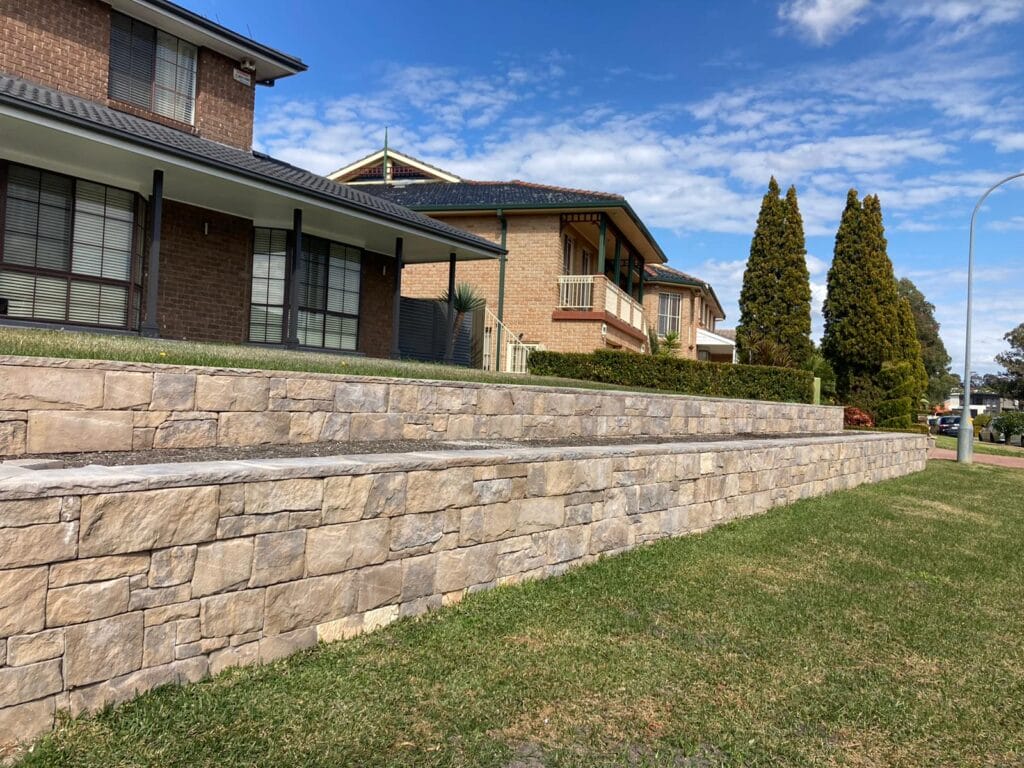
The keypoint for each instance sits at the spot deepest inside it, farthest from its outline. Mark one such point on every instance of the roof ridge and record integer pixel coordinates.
(557, 188)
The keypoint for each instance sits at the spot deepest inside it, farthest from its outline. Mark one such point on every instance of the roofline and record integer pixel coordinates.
(402, 157)
(280, 58)
(693, 284)
(46, 112)
(623, 204)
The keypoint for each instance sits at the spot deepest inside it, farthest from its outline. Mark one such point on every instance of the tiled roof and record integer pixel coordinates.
(728, 333)
(254, 165)
(659, 273)
(488, 194)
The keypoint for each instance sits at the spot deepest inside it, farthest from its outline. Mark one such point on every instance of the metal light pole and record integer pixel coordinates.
(965, 437)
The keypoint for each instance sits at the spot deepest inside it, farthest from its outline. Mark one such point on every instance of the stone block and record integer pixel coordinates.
(280, 646)
(610, 534)
(278, 557)
(268, 428)
(490, 523)
(124, 687)
(555, 478)
(97, 569)
(237, 656)
(336, 427)
(103, 649)
(494, 491)
(380, 617)
(186, 433)
(410, 532)
(310, 389)
(62, 431)
(430, 491)
(232, 393)
(232, 614)
(345, 497)
(342, 547)
(172, 566)
(379, 585)
(31, 649)
(354, 397)
(306, 603)
(340, 629)
(37, 544)
(141, 520)
(306, 427)
(540, 514)
(283, 495)
(188, 630)
(418, 575)
(174, 392)
(86, 602)
(387, 495)
(377, 426)
(222, 566)
(250, 525)
(22, 512)
(26, 722)
(33, 681)
(458, 569)
(154, 598)
(158, 644)
(12, 437)
(172, 612)
(22, 601)
(126, 389)
(24, 388)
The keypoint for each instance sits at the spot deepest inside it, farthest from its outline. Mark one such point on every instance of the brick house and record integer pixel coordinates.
(131, 199)
(573, 280)
(687, 306)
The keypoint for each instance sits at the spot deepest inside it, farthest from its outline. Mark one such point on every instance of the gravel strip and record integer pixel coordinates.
(352, 448)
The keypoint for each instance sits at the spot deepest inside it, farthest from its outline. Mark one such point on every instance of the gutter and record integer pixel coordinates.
(233, 170)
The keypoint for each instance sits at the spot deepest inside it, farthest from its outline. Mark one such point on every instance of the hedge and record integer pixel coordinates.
(691, 377)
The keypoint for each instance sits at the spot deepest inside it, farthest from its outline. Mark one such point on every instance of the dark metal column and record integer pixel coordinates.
(297, 274)
(629, 275)
(150, 328)
(396, 302)
(616, 269)
(452, 330)
(601, 244)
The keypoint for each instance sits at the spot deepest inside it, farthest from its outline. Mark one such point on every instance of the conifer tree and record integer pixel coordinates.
(775, 302)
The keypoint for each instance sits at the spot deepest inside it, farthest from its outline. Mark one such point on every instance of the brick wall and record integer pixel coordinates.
(224, 106)
(205, 280)
(375, 304)
(63, 44)
(689, 307)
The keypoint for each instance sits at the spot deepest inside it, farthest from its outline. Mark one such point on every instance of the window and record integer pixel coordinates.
(70, 250)
(588, 262)
(328, 296)
(152, 69)
(567, 247)
(669, 307)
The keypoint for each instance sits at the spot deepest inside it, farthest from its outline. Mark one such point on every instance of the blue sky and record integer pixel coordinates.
(687, 108)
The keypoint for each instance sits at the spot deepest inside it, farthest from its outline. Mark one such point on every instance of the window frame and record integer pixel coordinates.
(568, 248)
(668, 297)
(133, 284)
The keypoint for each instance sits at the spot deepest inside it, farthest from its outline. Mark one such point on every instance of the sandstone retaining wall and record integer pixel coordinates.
(52, 406)
(116, 580)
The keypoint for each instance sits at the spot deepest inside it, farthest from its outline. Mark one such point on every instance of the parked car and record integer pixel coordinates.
(990, 434)
(949, 425)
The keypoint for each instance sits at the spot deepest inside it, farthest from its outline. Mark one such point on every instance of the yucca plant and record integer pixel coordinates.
(465, 300)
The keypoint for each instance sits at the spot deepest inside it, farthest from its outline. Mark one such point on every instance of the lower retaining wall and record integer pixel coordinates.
(116, 580)
(50, 405)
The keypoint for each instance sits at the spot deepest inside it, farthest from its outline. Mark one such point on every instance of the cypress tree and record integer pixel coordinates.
(775, 302)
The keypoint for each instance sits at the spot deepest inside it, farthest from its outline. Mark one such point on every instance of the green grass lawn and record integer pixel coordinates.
(878, 627)
(993, 449)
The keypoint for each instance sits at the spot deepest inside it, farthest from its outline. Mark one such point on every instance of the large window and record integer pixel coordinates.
(669, 309)
(152, 69)
(70, 250)
(328, 296)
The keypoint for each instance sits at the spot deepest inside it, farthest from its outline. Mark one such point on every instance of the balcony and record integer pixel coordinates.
(595, 293)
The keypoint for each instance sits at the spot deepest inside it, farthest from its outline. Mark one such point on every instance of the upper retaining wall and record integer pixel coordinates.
(52, 406)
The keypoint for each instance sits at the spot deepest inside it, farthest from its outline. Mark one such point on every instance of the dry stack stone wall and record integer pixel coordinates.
(53, 406)
(116, 580)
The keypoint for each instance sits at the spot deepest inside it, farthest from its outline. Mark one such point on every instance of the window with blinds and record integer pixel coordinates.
(152, 69)
(669, 309)
(328, 313)
(70, 250)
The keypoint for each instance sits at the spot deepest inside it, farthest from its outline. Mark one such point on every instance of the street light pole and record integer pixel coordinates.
(965, 437)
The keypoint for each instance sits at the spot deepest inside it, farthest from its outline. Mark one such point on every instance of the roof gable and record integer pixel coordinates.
(401, 167)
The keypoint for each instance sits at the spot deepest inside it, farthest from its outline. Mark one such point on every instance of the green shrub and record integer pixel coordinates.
(692, 377)
(1009, 423)
(981, 421)
(899, 385)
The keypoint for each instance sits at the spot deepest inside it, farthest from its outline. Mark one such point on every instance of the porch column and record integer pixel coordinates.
(450, 357)
(602, 237)
(150, 329)
(298, 271)
(640, 286)
(396, 301)
(629, 274)
(616, 269)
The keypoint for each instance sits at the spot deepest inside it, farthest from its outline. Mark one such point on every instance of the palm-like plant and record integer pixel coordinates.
(464, 301)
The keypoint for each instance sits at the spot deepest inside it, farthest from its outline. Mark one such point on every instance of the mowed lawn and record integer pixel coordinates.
(878, 627)
(992, 449)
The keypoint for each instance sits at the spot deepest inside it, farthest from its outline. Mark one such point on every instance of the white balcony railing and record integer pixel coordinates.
(576, 292)
(515, 353)
(624, 306)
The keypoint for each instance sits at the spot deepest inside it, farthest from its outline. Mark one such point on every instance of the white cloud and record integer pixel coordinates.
(821, 21)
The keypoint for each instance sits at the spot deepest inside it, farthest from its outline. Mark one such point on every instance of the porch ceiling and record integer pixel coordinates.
(45, 142)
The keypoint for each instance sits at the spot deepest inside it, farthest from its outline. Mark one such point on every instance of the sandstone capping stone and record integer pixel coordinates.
(37, 544)
(142, 520)
(33, 681)
(222, 566)
(103, 649)
(61, 431)
(22, 601)
(79, 603)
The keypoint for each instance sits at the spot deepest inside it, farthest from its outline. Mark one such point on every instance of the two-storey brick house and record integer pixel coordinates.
(687, 306)
(131, 199)
(573, 279)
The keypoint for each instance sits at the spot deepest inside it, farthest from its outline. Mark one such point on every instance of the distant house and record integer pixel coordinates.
(576, 275)
(131, 199)
(687, 306)
(981, 402)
